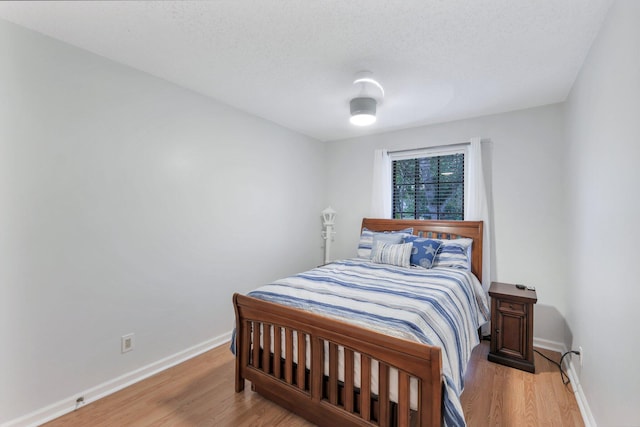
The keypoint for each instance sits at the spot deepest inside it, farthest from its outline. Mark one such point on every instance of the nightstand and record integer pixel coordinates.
(512, 326)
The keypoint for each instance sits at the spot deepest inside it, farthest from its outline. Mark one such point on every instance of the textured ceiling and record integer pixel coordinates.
(293, 62)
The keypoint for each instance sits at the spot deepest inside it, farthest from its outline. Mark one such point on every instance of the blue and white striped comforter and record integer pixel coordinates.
(440, 306)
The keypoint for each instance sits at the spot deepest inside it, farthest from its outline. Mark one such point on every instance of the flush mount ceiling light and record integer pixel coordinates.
(363, 107)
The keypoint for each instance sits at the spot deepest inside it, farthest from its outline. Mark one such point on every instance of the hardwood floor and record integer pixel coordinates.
(496, 395)
(200, 392)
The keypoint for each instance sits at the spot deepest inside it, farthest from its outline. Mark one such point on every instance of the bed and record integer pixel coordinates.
(315, 345)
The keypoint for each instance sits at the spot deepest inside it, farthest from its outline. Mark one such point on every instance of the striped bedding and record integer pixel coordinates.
(439, 306)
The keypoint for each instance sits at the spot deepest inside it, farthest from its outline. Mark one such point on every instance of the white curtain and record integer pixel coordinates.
(381, 188)
(477, 206)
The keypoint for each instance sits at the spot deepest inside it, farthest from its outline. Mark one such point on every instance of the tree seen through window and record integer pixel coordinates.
(429, 187)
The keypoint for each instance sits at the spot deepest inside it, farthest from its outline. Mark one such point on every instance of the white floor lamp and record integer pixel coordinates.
(328, 221)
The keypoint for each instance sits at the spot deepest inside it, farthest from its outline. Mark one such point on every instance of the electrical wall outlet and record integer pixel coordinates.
(126, 343)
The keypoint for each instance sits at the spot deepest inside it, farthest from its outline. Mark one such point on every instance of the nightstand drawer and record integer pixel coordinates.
(511, 306)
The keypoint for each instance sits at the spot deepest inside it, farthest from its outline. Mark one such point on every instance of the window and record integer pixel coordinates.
(428, 186)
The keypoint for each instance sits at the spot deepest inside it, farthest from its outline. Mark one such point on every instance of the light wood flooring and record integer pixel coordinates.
(200, 392)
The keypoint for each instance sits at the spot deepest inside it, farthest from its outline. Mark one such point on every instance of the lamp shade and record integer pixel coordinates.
(363, 111)
(328, 216)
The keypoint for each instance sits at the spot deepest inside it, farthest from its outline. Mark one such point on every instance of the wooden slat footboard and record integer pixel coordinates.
(296, 379)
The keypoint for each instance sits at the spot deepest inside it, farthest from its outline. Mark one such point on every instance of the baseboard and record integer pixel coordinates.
(67, 405)
(581, 399)
(549, 345)
(585, 410)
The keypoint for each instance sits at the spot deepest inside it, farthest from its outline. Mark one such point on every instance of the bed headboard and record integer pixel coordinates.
(437, 229)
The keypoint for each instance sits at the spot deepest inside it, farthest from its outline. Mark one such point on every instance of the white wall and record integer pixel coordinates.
(129, 204)
(525, 164)
(603, 125)
(124, 204)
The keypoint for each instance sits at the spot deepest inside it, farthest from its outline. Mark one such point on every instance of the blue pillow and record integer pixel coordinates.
(366, 240)
(454, 253)
(424, 250)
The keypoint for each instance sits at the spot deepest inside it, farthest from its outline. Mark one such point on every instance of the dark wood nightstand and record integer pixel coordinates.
(512, 326)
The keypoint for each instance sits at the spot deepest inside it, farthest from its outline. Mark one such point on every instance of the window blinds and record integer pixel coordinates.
(429, 187)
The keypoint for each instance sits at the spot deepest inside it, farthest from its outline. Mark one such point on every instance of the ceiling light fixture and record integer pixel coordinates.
(363, 107)
(363, 111)
(369, 80)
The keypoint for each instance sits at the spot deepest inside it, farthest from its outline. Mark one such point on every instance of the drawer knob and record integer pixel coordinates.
(497, 331)
(511, 306)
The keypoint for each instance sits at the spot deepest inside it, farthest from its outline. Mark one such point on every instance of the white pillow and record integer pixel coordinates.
(386, 253)
(366, 240)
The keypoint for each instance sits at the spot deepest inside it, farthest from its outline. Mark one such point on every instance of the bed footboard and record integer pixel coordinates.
(292, 358)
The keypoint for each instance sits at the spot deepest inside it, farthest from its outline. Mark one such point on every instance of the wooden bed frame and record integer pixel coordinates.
(324, 399)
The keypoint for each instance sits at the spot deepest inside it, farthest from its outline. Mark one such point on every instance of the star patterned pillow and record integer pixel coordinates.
(424, 250)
